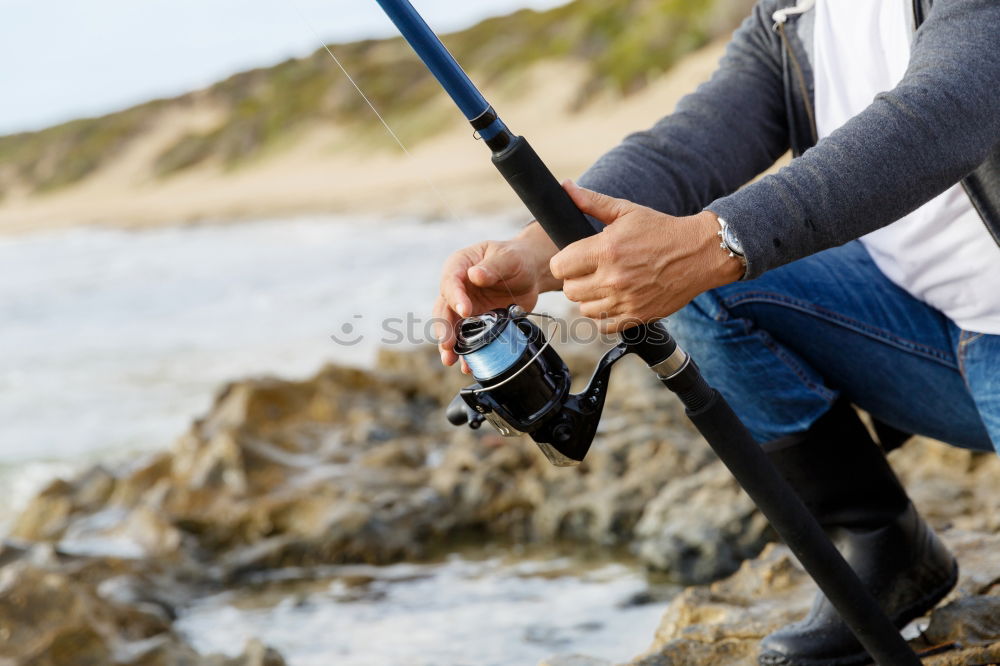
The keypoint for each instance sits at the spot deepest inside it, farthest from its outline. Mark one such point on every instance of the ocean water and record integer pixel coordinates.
(112, 341)
(458, 613)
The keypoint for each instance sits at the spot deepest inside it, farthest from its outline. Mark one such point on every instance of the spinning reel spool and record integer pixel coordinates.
(523, 385)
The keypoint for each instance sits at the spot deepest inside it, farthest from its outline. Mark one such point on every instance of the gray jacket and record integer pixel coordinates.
(939, 126)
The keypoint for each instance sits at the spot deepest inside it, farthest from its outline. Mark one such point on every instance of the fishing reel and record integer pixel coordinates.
(523, 385)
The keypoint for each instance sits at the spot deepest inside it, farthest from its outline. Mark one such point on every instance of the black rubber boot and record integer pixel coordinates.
(843, 477)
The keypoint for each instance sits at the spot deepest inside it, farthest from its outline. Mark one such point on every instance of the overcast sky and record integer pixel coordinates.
(61, 59)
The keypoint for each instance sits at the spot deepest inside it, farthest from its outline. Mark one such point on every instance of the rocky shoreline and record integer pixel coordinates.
(355, 466)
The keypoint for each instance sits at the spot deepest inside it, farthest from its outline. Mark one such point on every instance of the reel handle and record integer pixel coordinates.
(459, 414)
(549, 203)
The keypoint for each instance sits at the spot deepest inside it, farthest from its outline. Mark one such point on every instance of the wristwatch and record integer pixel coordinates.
(731, 244)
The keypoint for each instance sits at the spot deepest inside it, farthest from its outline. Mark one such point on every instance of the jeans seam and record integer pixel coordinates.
(965, 338)
(822, 391)
(848, 322)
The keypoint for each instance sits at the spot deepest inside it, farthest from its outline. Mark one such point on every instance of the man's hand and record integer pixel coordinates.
(644, 266)
(490, 275)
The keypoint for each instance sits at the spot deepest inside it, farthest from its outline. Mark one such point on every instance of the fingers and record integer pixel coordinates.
(599, 310)
(482, 266)
(444, 330)
(454, 292)
(582, 257)
(445, 320)
(482, 276)
(498, 264)
(585, 289)
(454, 276)
(599, 206)
(609, 314)
(576, 260)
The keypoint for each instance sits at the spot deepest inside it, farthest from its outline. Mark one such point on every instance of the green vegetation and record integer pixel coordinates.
(69, 152)
(626, 44)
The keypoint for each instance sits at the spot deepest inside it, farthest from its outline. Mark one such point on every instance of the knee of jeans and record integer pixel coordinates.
(699, 322)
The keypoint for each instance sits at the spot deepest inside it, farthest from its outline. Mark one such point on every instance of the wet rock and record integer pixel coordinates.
(56, 610)
(724, 622)
(360, 466)
(951, 486)
(701, 527)
(94, 487)
(355, 466)
(47, 516)
(968, 621)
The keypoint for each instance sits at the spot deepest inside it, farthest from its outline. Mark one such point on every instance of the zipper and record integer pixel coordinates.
(983, 215)
(780, 18)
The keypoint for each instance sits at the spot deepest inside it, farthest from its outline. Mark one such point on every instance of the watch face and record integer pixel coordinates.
(731, 241)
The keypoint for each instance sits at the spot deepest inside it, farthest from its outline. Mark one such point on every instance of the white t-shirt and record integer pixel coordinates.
(941, 253)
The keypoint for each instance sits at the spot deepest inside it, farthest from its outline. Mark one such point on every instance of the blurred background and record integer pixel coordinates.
(221, 429)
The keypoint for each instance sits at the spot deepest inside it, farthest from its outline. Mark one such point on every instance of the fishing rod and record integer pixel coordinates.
(524, 386)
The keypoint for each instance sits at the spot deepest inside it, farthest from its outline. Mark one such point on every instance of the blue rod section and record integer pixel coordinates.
(437, 58)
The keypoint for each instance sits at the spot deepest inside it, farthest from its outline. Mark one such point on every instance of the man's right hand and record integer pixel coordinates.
(488, 275)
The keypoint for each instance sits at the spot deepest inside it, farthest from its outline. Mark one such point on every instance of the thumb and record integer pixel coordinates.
(599, 206)
(495, 266)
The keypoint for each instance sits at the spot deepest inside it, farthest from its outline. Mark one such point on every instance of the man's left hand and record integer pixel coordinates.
(644, 266)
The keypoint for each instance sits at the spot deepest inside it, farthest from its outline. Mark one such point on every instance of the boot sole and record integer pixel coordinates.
(910, 613)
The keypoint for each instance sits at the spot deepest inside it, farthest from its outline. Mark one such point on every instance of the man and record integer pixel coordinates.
(867, 271)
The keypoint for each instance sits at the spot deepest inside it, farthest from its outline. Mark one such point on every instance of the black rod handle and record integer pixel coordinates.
(542, 194)
(793, 522)
(549, 203)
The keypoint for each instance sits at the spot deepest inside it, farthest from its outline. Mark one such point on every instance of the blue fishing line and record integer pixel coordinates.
(499, 355)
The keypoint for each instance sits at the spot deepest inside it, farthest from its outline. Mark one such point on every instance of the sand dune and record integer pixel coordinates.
(449, 174)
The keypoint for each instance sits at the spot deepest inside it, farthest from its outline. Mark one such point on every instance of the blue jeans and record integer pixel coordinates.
(783, 347)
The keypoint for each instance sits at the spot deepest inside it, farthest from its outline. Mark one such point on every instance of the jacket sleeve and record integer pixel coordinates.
(911, 144)
(724, 134)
